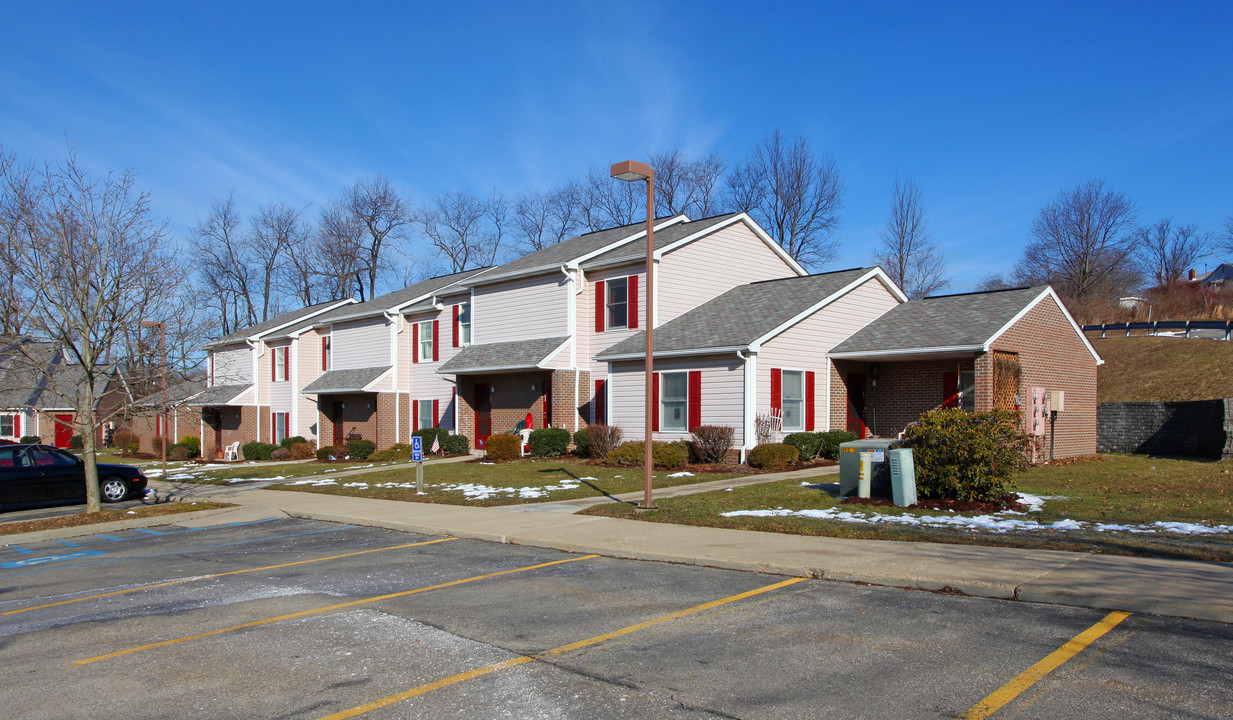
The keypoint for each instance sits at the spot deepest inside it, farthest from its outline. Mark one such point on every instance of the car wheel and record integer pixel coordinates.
(113, 490)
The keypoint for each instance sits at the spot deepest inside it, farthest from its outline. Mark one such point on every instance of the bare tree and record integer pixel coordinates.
(993, 281)
(907, 253)
(1227, 236)
(92, 263)
(385, 216)
(455, 224)
(1168, 252)
(688, 185)
(604, 204)
(338, 254)
(792, 193)
(1081, 243)
(275, 232)
(223, 264)
(542, 219)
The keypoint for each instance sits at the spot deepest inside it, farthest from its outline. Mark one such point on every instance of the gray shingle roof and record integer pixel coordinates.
(218, 395)
(290, 317)
(177, 393)
(740, 316)
(24, 375)
(633, 251)
(380, 304)
(947, 321)
(336, 381)
(514, 355)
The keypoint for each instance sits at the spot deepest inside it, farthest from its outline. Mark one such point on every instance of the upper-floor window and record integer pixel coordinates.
(674, 399)
(326, 356)
(463, 326)
(618, 303)
(10, 425)
(792, 400)
(424, 339)
(282, 363)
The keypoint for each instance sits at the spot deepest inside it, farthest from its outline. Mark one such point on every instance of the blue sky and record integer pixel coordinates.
(992, 108)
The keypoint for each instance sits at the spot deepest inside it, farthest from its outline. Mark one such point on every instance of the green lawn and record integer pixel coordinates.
(228, 474)
(482, 484)
(1120, 489)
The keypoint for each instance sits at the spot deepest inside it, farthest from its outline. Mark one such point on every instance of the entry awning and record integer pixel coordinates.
(346, 381)
(221, 395)
(503, 356)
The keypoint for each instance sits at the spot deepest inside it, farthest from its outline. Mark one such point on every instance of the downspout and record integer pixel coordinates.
(259, 347)
(749, 434)
(571, 315)
(396, 324)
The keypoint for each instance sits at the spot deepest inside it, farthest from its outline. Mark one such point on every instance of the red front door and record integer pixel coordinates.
(337, 419)
(64, 430)
(218, 435)
(856, 405)
(483, 414)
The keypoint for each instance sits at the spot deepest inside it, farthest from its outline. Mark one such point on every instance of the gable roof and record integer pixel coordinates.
(220, 395)
(177, 394)
(339, 381)
(745, 315)
(24, 371)
(398, 298)
(512, 355)
(275, 323)
(966, 322)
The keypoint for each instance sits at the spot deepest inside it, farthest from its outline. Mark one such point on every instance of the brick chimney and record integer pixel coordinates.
(1191, 274)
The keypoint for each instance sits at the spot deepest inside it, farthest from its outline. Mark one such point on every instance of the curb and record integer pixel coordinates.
(112, 526)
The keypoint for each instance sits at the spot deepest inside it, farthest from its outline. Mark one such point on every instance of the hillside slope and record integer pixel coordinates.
(1164, 368)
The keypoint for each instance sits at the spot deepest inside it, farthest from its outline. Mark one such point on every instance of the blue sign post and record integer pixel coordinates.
(417, 457)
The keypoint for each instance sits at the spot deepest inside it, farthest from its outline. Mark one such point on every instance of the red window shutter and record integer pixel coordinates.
(809, 400)
(776, 389)
(633, 302)
(17, 426)
(436, 412)
(415, 343)
(287, 363)
(601, 401)
(655, 402)
(325, 354)
(600, 309)
(436, 340)
(415, 415)
(456, 325)
(950, 390)
(695, 399)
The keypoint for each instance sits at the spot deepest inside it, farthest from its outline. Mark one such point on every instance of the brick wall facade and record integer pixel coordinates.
(905, 390)
(359, 416)
(513, 396)
(238, 424)
(572, 394)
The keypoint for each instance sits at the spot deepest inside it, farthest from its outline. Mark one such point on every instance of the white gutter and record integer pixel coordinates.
(877, 354)
(750, 411)
(678, 353)
(397, 322)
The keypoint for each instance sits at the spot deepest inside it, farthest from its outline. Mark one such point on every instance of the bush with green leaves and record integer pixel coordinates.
(665, 455)
(504, 446)
(178, 452)
(580, 443)
(193, 444)
(31, 439)
(288, 442)
(360, 449)
(711, 443)
(773, 456)
(331, 452)
(549, 442)
(450, 444)
(257, 450)
(76, 443)
(807, 444)
(831, 440)
(963, 455)
(280, 453)
(122, 439)
(397, 451)
(601, 439)
(301, 451)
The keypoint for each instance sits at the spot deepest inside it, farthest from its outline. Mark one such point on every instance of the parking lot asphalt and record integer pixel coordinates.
(308, 619)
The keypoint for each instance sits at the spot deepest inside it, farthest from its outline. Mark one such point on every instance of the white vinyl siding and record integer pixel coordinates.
(723, 394)
(712, 265)
(233, 366)
(592, 343)
(360, 344)
(521, 310)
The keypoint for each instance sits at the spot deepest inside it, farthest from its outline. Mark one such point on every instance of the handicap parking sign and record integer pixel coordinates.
(417, 449)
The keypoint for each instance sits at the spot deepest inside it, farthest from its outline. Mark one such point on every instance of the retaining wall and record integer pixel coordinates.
(1202, 428)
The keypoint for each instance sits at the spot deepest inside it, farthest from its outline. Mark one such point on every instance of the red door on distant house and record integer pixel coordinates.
(64, 430)
(337, 419)
(218, 435)
(483, 414)
(856, 405)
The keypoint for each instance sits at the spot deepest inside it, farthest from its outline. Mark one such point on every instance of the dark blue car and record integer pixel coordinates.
(39, 475)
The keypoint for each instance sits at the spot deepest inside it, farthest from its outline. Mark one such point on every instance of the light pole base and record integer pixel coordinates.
(646, 507)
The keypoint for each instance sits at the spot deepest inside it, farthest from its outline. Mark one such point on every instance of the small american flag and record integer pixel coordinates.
(436, 444)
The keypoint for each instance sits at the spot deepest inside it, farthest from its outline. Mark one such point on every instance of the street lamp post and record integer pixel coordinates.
(632, 171)
(162, 351)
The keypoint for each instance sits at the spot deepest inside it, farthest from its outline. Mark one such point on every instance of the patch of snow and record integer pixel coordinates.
(681, 474)
(315, 482)
(487, 463)
(356, 484)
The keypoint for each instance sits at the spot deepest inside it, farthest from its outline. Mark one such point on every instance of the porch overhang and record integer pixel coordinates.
(223, 396)
(504, 357)
(358, 380)
(909, 354)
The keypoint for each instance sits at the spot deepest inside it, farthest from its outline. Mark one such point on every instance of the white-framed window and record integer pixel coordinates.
(464, 324)
(618, 303)
(424, 338)
(282, 356)
(967, 390)
(674, 400)
(281, 422)
(792, 400)
(10, 425)
(424, 417)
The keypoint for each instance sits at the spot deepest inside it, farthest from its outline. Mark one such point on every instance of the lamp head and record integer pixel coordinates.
(631, 170)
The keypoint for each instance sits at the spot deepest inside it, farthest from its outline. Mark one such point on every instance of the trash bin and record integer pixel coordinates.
(903, 476)
(850, 466)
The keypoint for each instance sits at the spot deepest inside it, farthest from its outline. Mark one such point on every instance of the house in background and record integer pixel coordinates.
(146, 417)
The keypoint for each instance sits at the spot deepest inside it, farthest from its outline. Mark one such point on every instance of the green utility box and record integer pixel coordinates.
(903, 476)
(850, 467)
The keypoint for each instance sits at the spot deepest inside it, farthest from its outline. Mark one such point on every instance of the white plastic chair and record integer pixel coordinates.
(777, 423)
(525, 446)
(232, 451)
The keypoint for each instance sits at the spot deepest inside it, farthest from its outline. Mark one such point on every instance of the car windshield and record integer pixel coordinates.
(41, 456)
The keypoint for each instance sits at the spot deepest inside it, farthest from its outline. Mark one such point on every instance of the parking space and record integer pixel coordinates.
(301, 619)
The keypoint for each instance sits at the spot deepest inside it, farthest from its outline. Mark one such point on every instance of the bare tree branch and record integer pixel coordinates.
(1167, 252)
(686, 185)
(907, 253)
(385, 216)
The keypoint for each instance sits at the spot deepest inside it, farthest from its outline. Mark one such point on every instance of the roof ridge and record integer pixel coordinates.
(811, 275)
(984, 292)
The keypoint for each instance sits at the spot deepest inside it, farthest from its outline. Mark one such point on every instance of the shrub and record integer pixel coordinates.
(450, 444)
(806, 443)
(580, 443)
(280, 453)
(601, 439)
(829, 448)
(667, 455)
(712, 442)
(360, 449)
(76, 443)
(192, 443)
(122, 439)
(455, 444)
(336, 451)
(178, 452)
(773, 456)
(156, 444)
(301, 451)
(504, 447)
(30, 439)
(397, 451)
(257, 450)
(133, 448)
(963, 455)
(288, 442)
(549, 442)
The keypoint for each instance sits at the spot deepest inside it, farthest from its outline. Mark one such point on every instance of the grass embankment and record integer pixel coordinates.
(521, 481)
(1140, 369)
(1119, 489)
(108, 515)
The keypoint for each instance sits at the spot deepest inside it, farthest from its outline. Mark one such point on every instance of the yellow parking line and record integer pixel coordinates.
(339, 606)
(222, 574)
(1011, 690)
(477, 672)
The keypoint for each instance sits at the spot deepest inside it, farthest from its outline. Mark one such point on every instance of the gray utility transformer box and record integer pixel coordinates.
(850, 467)
(903, 476)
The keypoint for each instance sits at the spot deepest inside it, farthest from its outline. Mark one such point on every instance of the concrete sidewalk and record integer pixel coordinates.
(1163, 587)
